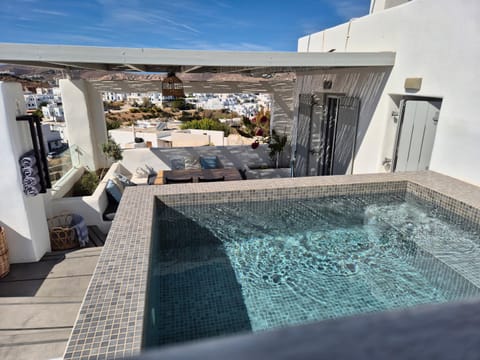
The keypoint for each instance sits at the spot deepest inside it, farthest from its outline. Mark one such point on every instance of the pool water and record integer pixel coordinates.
(224, 268)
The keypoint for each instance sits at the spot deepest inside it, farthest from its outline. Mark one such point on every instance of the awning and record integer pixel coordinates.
(184, 61)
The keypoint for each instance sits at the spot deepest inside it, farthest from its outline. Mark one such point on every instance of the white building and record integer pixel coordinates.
(53, 138)
(154, 137)
(42, 95)
(53, 112)
(33, 101)
(436, 71)
(113, 96)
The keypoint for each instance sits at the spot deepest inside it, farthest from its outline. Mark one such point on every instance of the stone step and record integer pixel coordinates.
(33, 344)
(96, 236)
(38, 316)
(55, 287)
(53, 268)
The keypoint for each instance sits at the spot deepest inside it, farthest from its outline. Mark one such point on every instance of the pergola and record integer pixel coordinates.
(185, 61)
(255, 70)
(247, 72)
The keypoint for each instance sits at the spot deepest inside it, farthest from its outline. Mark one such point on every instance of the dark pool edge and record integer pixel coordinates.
(446, 331)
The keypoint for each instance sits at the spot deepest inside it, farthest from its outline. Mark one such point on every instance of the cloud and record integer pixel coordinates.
(348, 9)
(49, 12)
(208, 45)
(158, 19)
(223, 4)
(77, 39)
(96, 28)
(178, 24)
(252, 47)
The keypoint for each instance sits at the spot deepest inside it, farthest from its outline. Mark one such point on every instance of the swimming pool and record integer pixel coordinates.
(224, 268)
(115, 315)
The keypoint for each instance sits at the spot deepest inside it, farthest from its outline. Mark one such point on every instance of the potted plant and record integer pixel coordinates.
(112, 150)
(276, 145)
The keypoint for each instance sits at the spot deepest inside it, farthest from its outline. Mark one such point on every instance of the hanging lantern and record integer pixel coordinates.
(172, 86)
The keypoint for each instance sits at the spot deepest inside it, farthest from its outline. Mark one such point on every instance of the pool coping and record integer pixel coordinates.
(110, 321)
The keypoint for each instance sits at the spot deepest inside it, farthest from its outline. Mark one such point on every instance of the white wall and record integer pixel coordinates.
(215, 137)
(23, 217)
(92, 207)
(366, 83)
(124, 137)
(436, 40)
(192, 137)
(379, 5)
(182, 139)
(84, 117)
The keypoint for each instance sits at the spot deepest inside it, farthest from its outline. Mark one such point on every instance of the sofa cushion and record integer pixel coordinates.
(123, 180)
(113, 190)
(119, 184)
(112, 205)
(192, 162)
(178, 163)
(209, 162)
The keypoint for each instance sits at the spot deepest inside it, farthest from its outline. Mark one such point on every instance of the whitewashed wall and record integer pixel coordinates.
(22, 217)
(364, 83)
(436, 40)
(125, 138)
(85, 120)
(217, 138)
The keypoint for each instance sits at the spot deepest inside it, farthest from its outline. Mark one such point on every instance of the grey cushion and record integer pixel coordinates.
(209, 162)
(192, 163)
(113, 190)
(124, 180)
(178, 164)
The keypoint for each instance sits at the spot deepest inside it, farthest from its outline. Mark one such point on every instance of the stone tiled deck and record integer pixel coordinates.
(110, 322)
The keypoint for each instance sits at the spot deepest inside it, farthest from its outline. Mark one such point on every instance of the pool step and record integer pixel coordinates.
(95, 236)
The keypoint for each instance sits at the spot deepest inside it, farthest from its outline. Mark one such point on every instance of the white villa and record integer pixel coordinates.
(390, 92)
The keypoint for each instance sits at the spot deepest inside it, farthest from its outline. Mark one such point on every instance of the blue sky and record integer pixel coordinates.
(261, 25)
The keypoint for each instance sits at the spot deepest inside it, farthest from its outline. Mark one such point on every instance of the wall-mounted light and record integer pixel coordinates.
(413, 84)
(327, 84)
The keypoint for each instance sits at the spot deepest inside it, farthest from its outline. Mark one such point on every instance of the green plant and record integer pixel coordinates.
(38, 113)
(180, 104)
(112, 150)
(276, 145)
(86, 185)
(248, 124)
(146, 103)
(207, 124)
(112, 124)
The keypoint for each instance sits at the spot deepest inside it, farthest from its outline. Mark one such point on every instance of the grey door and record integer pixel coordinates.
(303, 134)
(326, 135)
(315, 142)
(345, 136)
(417, 134)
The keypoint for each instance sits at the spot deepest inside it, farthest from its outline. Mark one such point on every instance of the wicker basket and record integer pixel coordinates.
(62, 235)
(4, 263)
